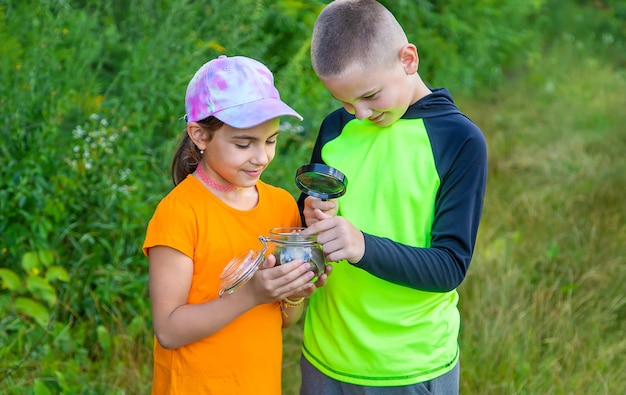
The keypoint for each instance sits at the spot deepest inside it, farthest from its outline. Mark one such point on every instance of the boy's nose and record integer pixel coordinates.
(362, 112)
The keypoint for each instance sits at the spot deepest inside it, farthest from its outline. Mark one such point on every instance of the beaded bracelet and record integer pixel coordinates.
(290, 303)
(293, 303)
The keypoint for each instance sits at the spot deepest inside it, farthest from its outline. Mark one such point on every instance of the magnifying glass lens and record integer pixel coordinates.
(321, 181)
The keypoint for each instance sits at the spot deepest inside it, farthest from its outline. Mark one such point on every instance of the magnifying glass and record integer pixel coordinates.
(321, 181)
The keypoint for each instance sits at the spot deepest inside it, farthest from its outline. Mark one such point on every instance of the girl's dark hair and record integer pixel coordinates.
(188, 154)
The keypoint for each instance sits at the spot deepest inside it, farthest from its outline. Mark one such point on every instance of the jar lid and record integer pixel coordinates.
(239, 270)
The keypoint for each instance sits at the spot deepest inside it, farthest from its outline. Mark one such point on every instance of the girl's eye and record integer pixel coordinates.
(242, 146)
(370, 97)
(270, 142)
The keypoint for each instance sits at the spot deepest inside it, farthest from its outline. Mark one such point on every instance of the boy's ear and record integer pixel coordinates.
(197, 134)
(409, 58)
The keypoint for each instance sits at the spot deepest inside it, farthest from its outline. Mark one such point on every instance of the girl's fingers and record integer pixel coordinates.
(269, 262)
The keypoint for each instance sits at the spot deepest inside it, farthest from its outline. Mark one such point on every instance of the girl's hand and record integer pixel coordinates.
(320, 282)
(272, 283)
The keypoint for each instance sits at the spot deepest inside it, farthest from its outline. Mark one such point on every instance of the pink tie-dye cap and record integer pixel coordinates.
(237, 90)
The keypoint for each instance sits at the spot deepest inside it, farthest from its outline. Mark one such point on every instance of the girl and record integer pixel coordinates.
(206, 344)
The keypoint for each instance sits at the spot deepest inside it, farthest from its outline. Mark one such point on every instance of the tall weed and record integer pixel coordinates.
(543, 305)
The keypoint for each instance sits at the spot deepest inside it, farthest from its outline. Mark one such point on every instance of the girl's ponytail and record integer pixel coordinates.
(188, 155)
(185, 160)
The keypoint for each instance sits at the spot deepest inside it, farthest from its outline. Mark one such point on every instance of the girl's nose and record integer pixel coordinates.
(263, 155)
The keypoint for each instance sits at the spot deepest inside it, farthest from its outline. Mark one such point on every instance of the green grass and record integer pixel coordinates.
(543, 306)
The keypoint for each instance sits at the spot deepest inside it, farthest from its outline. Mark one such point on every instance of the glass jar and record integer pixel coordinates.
(286, 244)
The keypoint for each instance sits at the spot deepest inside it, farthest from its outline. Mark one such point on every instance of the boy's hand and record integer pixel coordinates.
(338, 237)
(328, 207)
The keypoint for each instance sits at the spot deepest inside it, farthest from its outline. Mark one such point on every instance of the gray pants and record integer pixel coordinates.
(315, 382)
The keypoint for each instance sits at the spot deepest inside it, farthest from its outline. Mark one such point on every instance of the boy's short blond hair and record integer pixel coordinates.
(355, 33)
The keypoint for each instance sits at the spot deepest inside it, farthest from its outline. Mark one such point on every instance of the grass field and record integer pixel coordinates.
(544, 305)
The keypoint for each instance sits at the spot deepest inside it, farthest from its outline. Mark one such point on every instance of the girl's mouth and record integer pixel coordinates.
(254, 173)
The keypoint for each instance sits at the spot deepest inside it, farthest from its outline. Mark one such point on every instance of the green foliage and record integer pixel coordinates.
(602, 30)
(468, 45)
(33, 295)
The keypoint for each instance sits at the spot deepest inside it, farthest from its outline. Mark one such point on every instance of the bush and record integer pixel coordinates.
(468, 45)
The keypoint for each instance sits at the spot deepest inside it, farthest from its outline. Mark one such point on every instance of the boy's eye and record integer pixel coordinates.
(242, 146)
(270, 142)
(370, 97)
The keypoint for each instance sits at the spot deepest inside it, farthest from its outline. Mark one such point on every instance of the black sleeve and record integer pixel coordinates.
(461, 157)
(330, 128)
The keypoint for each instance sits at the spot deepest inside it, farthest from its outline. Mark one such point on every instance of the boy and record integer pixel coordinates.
(387, 321)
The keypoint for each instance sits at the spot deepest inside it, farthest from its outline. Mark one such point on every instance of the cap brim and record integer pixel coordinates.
(255, 113)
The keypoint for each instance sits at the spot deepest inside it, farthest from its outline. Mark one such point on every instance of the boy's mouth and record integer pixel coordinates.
(377, 118)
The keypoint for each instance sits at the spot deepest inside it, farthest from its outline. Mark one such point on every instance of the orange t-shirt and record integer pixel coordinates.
(244, 357)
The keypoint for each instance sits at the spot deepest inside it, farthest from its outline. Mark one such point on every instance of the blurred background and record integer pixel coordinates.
(91, 107)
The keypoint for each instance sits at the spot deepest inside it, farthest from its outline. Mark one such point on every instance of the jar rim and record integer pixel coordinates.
(287, 230)
(284, 235)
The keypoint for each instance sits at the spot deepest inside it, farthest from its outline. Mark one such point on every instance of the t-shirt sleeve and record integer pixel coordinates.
(443, 265)
(174, 224)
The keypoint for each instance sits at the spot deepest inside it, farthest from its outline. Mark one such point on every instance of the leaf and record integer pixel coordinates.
(104, 338)
(39, 388)
(46, 257)
(10, 280)
(41, 288)
(32, 309)
(30, 261)
(57, 273)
